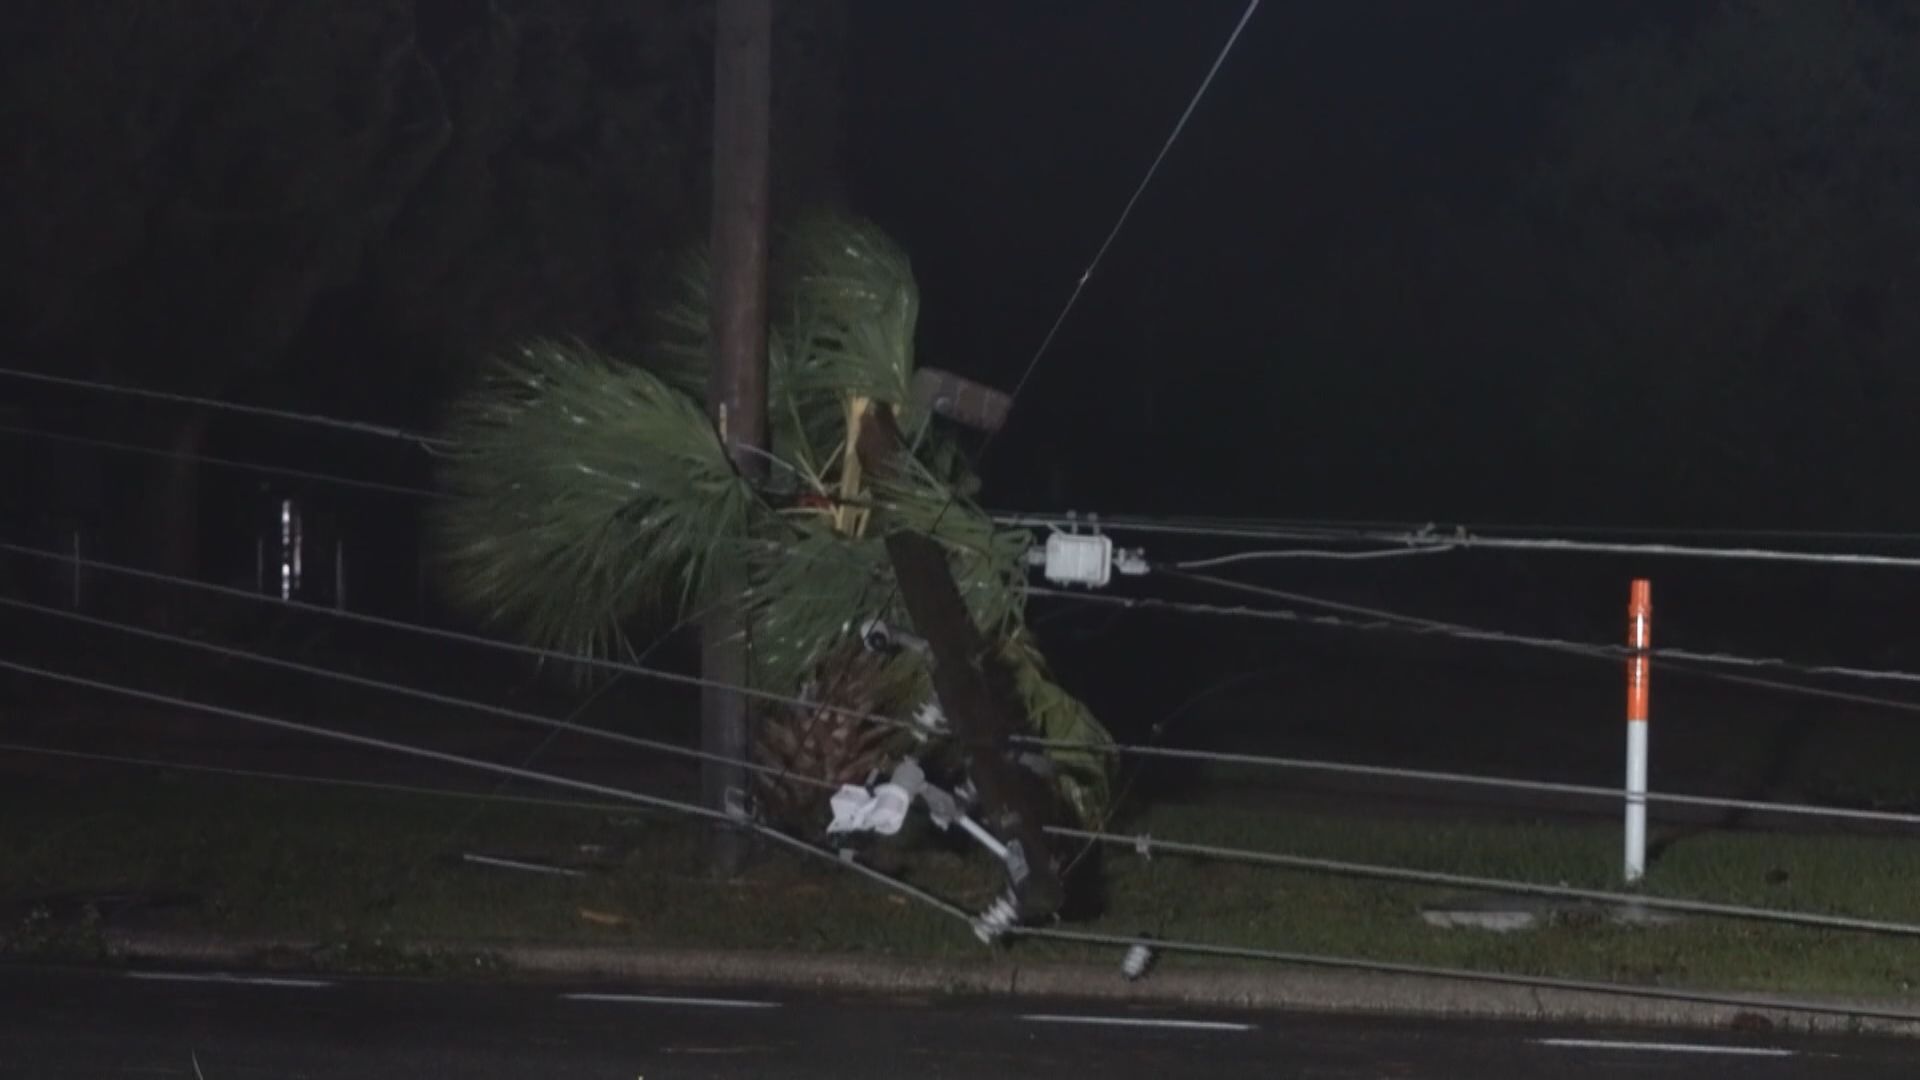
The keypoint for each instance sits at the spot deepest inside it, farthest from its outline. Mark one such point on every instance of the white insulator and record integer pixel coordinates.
(1138, 959)
(996, 920)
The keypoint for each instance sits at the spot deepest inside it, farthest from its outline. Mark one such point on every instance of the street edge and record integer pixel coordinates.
(1289, 989)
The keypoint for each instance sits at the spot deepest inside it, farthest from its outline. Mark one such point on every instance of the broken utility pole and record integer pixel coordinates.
(975, 689)
(737, 387)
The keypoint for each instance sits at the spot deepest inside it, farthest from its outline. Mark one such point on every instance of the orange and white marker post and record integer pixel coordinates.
(1639, 639)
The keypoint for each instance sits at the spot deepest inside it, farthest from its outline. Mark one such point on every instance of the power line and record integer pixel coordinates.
(1080, 286)
(601, 663)
(1044, 933)
(359, 426)
(1168, 753)
(402, 690)
(1406, 624)
(655, 801)
(1299, 553)
(1396, 621)
(1468, 541)
(226, 463)
(302, 778)
(1543, 787)
(1427, 971)
(1145, 844)
(1142, 844)
(1356, 530)
(356, 739)
(944, 906)
(1460, 539)
(1096, 747)
(1126, 212)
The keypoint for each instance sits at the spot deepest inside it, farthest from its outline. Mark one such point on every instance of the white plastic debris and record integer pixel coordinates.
(882, 810)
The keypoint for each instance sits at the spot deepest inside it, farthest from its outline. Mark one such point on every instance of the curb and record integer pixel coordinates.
(1289, 989)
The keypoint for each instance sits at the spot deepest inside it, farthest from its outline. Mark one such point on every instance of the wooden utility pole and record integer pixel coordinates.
(737, 387)
(975, 689)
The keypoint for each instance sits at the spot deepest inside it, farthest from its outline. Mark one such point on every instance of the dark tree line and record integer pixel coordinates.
(342, 206)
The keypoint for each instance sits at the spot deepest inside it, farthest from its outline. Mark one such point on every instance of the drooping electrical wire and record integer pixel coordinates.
(1388, 541)
(362, 427)
(223, 462)
(427, 753)
(554, 725)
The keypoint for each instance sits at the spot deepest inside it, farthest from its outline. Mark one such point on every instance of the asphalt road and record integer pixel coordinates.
(106, 1024)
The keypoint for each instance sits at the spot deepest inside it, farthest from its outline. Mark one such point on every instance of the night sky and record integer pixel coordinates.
(1227, 358)
(1353, 290)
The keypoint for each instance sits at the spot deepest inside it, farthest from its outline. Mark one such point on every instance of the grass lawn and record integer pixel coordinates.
(365, 871)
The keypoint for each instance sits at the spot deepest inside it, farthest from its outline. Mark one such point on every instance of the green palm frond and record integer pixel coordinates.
(583, 492)
(852, 303)
(1082, 754)
(682, 345)
(989, 563)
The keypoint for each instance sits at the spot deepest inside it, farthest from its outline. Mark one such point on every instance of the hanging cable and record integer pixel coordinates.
(359, 426)
(224, 463)
(907, 725)
(1309, 553)
(426, 753)
(1427, 971)
(1145, 845)
(384, 686)
(1460, 539)
(383, 786)
(1080, 286)
(477, 640)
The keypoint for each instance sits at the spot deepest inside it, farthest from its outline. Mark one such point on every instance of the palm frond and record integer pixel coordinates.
(988, 562)
(1081, 750)
(582, 493)
(852, 304)
(585, 493)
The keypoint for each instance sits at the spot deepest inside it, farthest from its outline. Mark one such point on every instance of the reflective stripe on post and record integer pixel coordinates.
(1639, 640)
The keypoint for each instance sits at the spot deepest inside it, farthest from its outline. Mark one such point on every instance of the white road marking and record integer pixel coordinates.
(651, 999)
(1136, 1021)
(222, 977)
(1667, 1048)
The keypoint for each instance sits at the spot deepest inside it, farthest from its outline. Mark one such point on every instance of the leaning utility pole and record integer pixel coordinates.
(737, 387)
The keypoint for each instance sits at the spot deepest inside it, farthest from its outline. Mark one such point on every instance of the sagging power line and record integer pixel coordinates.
(1381, 620)
(223, 462)
(1116, 748)
(1094, 938)
(740, 821)
(384, 686)
(424, 441)
(1387, 541)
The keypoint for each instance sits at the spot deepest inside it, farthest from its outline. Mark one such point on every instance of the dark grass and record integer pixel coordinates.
(367, 872)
